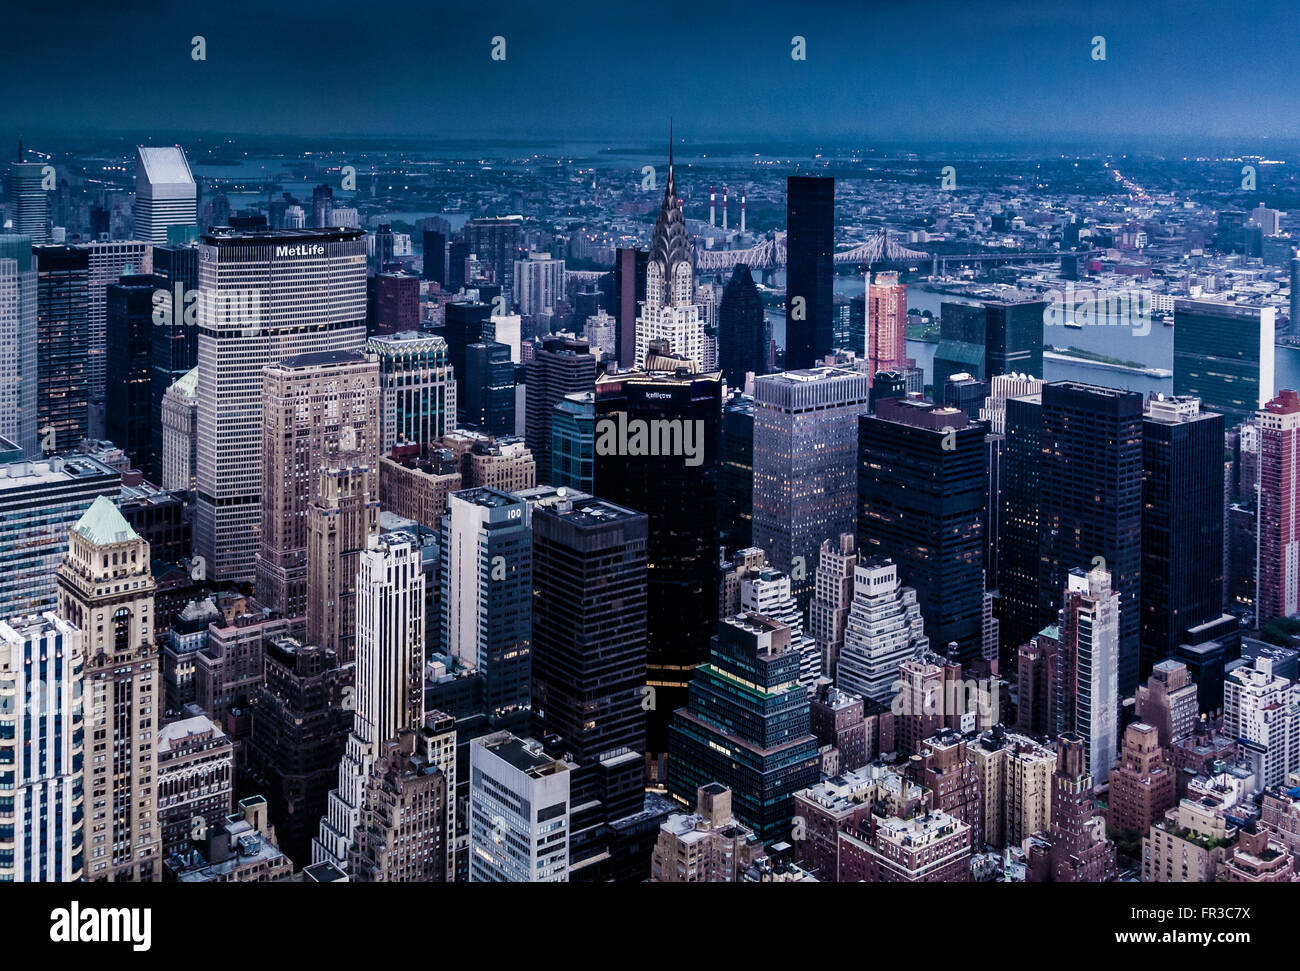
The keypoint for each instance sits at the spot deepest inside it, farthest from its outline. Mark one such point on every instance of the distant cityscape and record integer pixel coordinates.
(622, 514)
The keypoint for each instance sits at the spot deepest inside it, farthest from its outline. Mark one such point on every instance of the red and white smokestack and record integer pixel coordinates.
(742, 209)
(724, 208)
(713, 197)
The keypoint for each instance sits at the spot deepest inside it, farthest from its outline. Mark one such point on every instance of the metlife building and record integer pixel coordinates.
(264, 296)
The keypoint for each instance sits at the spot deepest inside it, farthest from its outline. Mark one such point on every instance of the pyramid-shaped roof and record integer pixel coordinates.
(103, 524)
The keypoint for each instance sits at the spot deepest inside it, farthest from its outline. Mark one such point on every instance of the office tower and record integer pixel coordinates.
(833, 587)
(742, 329)
(106, 590)
(341, 518)
(628, 292)
(311, 297)
(196, 778)
(401, 834)
(1279, 530)
(301, 717)
(42, 667)
(810, 270)
(519, 807)
(397, 303)
(573, 441)
(487, 589)
(1076, 850)
(560, 366)
(601, 333)
(679, 494)
(128, 324)
(62, 355)
(488, 389)
(435, 256)
(1182, 524)
(964, 392)
(746, 726)
(921, 493)
(417, 389)
(241, 848)
(805, 456)
(20, 336)
(31, 207)
(1013, 336)
(495, 240)
(1015, 780)
(1018, 518)
(1090, 502)
(887, 325)
(1167, 702)
(883, 628)
(39, 503)
(110, 260)
(389, 680)
(1142, 784)
(318, 409)
(669, 312)
(1087, 695)
(383, 243)
(961, 342)
(736, 474)
(1262, 711)
(768, 592)
(886, 384)
(174, 349)
(418, 488)
(465, 323)
(1223, 354)
(322, 203)
(165, 194)
(180, 425)
(539, 283)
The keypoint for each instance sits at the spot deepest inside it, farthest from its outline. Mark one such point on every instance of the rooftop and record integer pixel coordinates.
(102, 524)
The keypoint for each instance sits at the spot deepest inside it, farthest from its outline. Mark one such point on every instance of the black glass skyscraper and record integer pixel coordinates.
(175, 335)
(679, 494)
(63, 335)
(489, 383)
(921, 493)
(560, 366)
(1013, 338)
(1182, 524)
(464, 323)
(736, 474)
(1017, 563)
(1223, 354)
(742, 336)
(128, 399)
(1091, 501)
(435, 256)
(628, 292)
(810, 270)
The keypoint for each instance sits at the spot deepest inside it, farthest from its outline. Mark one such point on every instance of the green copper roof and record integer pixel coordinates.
(103, 524)
(190, 383)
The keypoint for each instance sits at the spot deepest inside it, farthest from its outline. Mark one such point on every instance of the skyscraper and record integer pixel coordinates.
(961, 342)
(669, 312)
(828, 613)
(31, 200)
(628, 292)
(678, 492)
(128, 391)
(1018, 513)
(810, 270)
(110, 260)
(42, 668)
(417, 389)
(265, 297)
(495, 240)
(63, 335)
(341, 517)
(539, 283)
(742, 329)
(1278, 555)
(107, 591)
(488, 388)
(1013, 337)
(746, 726)
(322, 203)
(805, 460)
(1223, 354)
(1087, 694)
(175, 335)
(390, 679)
(487, 591)
(887, 325)
(19, 335)
(883, 629)
(921, 492)
(736, 474)
(319, 410)
(560, 366)
(1090, 490)
(1182, 524)
(573, 441)
(178, 459)
(165, 194)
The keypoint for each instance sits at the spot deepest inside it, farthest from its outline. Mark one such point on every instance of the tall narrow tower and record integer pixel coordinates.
(106, 590)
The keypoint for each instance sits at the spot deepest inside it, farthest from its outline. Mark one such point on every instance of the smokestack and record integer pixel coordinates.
(742, 209)
(712, 201)
(724, 208)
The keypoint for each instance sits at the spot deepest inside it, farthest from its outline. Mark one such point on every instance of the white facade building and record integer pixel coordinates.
(518, 812)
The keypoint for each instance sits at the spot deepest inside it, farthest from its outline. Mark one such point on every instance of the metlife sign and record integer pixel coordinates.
(300, 249)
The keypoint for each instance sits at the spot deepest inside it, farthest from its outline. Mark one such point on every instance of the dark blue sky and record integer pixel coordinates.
(933, 70)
